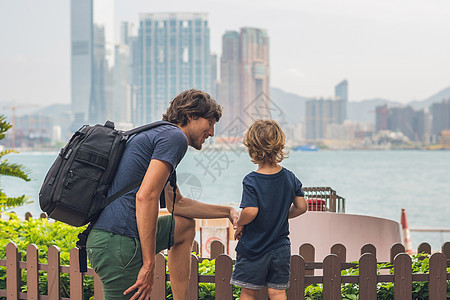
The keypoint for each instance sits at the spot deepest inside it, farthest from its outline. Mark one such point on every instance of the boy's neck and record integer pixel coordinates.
(268, 169)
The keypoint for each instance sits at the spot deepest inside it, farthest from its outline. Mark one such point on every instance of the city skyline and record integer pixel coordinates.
(397, 51)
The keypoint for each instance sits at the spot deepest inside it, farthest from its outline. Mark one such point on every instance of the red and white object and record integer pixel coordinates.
(406, 233)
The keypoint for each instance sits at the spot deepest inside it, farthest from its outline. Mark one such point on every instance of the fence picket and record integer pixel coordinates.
(424, 248)
(307, 251)
(368, 277)
(369, 248)
(76, 277)
(192, 292)
(402, 276)
(28, 216)
(12, 271)
(437, 281)
(340, 251)
(446, 249)
(159, 283)
(332, 277)
(396, 249)
(98, 288)
(224, 267)
(54, 283)
(32, 272)
(296, 289)
(195, 247)
(217, 248)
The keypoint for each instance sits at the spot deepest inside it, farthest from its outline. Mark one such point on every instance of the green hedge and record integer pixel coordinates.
(44, 234)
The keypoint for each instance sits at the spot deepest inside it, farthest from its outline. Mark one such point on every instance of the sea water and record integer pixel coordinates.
(375, 183)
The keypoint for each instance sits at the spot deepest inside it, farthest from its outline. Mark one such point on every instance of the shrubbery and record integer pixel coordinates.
(44, 234)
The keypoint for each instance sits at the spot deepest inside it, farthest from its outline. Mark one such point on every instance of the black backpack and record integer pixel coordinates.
(75, 188)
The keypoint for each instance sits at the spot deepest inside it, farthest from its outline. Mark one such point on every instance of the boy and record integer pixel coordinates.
(270, 196)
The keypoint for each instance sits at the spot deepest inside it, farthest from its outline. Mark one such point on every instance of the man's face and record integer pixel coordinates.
(198, 131)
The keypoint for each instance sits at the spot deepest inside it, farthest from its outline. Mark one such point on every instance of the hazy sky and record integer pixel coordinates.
(394, 49)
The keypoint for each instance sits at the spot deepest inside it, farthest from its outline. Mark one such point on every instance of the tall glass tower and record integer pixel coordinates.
(230, 79)
(255, 74)
(341, 94)
(92, 60)
(175, 55)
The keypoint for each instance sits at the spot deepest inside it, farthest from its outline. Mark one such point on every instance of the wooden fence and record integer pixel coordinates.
(302, 273)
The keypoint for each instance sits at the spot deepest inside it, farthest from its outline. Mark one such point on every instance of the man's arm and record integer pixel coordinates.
(147, 201)
(298, 207)
(193, 209)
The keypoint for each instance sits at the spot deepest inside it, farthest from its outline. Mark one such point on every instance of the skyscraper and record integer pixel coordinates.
(214, 82)
(341, 94)
(176, 56)
(319, 113)
(122, 104)
(410, 122)
(244, 78)
(92, 60)
(255, 73)
(441, 117)
(230, 79)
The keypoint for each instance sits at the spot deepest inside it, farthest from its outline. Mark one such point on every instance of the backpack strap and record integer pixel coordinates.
(147, 127)
(173, 183)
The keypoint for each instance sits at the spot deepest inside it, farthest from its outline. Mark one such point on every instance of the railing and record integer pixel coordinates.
(333, 202)
(302, 273)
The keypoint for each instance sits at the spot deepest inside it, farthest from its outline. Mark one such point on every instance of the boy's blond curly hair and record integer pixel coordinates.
(265, 141)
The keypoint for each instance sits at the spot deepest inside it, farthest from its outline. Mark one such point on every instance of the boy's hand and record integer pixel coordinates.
(233, 217)
(238, 233)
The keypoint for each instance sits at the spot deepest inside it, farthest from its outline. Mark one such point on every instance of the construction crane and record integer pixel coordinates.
(13, 107)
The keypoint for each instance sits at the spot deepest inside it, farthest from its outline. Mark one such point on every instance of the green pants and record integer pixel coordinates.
(117, 259)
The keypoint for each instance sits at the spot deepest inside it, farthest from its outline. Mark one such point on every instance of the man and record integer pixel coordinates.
(128, 233)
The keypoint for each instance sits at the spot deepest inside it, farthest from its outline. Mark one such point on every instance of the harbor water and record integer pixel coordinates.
(376, 183)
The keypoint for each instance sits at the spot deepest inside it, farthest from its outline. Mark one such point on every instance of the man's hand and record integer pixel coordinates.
(233, 217)
(143, 283)
(238, 233)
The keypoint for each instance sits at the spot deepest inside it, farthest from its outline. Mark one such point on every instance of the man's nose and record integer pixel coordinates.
(211, 130)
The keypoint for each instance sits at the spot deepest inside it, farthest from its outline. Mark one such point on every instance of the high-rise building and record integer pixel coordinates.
(92, 60)
(214, 81)
(319, 113)
(230, 80)
(244, 79)
(341, 94)
(122, 104)
(255, 74)
(410, 122)
(441, 117)
(175, 53)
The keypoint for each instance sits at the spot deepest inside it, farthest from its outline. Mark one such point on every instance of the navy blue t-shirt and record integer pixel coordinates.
(273, 195)
(167, 143)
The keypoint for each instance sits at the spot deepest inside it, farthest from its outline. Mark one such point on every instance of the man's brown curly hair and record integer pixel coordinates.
(192, 103)
(265, 142)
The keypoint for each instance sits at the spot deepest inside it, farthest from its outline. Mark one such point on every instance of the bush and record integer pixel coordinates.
(44, 234)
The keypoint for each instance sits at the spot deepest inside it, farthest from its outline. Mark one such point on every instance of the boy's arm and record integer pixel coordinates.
(298, 207)
(247, 215)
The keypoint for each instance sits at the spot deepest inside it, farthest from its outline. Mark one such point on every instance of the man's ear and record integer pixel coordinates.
(191, 117)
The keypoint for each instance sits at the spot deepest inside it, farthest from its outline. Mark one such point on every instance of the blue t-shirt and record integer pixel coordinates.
(167, 143)
(273, 195)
